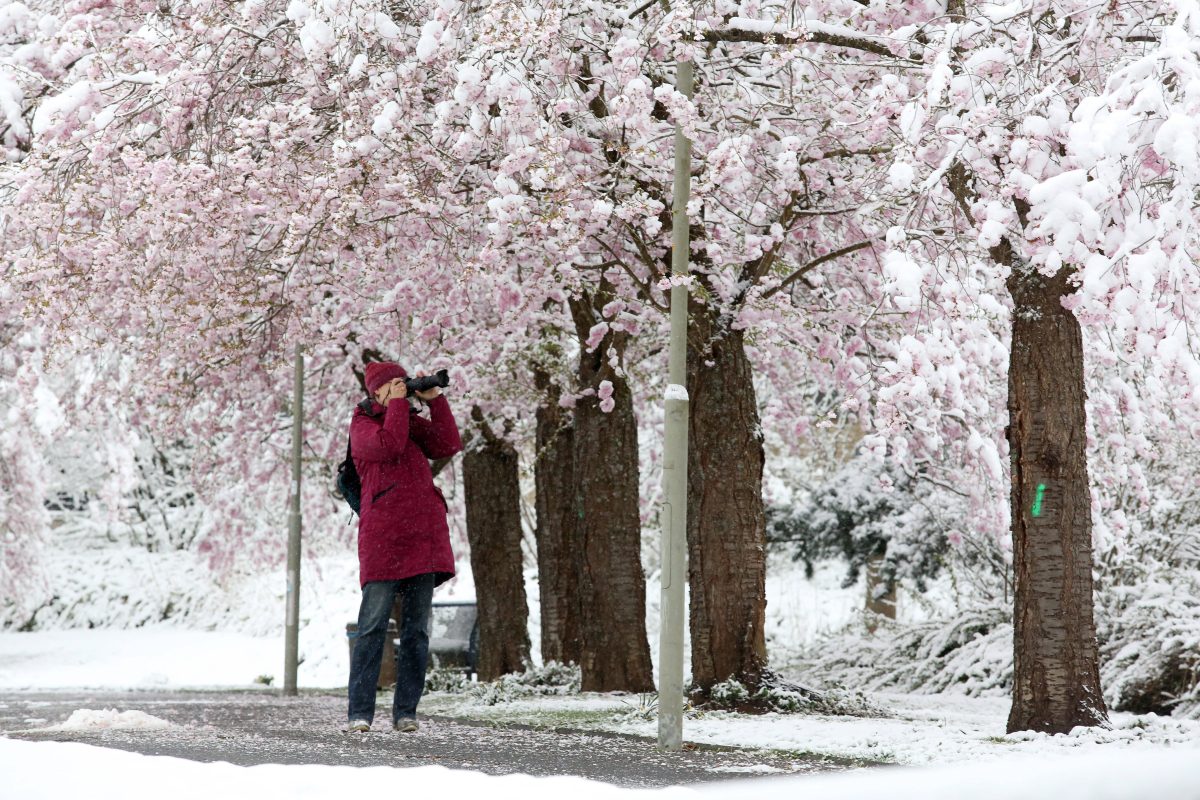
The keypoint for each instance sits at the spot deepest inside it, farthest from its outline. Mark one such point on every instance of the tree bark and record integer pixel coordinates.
(726, 518)
(881, 594)
(554, 483)
(493, 501)
(1056, 676)
(614, 650)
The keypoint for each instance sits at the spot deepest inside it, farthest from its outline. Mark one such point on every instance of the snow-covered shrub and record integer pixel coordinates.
(1148, 581)
(729, 693)
(870, 510)
(969, 653)
(553, 678)
(785, 697)
(1150, 645)
(446, 679)
(99, 584)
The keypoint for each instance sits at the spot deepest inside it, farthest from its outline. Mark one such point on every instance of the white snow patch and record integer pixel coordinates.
(149, 657)
(86, 719)
(45, 770)
(53, 770)
(900, 176)
(1163, 775)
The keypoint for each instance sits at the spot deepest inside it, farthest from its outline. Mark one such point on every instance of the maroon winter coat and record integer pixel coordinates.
(402, 527)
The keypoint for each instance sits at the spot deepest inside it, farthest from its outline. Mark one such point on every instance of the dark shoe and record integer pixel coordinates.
(406, 725)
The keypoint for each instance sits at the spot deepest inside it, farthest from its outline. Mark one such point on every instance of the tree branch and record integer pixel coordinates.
(816, 262)
(817, 36)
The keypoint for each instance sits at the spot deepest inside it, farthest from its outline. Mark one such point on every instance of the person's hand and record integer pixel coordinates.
(393, 390)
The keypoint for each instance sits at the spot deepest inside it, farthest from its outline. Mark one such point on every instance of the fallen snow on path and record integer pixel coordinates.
(86, 719)
(52, 770)
(752, 769)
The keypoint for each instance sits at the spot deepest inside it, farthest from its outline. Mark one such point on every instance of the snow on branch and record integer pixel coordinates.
(743, 29)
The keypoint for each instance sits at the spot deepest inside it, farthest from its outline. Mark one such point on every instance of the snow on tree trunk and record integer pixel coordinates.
(614, 650)
(493, 500)
(1056, 682)
(726, 517)
(553, 472)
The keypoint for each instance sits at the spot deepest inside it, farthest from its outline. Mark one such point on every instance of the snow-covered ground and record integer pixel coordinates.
(959, 741)
(52, 770)
(153, 657)
(922, 729)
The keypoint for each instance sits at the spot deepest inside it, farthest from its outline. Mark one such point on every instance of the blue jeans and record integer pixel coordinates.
(377, 598)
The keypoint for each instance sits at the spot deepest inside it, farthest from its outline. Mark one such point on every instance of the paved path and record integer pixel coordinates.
(263, 727)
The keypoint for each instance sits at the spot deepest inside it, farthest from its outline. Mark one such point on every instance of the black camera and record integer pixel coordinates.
(427, 382)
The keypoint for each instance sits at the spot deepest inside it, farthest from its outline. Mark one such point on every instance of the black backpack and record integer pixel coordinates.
(349, 485)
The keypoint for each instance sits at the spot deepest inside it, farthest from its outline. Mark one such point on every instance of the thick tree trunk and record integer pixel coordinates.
(614, 651)
(554, 485)
(1056, 681)
(493, 500)
(726, 518)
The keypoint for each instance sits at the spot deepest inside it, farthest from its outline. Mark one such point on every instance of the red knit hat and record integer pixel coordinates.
(380, 372)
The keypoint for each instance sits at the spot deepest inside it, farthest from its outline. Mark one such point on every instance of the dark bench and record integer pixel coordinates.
(453, 639)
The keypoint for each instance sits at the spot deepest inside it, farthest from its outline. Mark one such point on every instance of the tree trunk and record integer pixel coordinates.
(493, 500)
(881, 594)
(726, 518)
(1056, 677)
(614, 650)
(555, 533)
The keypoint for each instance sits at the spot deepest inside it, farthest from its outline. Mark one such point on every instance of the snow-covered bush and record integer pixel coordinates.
(1150, 644)
(872, 510)
(970, 653)
(552, 678)
(729, 693)
(1148, 577)
(786, 697)
(446, 679)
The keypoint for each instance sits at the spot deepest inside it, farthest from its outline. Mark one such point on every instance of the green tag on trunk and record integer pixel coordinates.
(1037, 500)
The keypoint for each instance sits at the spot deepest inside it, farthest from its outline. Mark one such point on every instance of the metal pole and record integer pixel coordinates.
(292, 634)
(675, 452)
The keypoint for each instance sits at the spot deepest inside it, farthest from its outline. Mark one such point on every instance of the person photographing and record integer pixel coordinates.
(403, 536)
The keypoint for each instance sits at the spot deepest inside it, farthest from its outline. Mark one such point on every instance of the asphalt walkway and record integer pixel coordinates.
(263, 727)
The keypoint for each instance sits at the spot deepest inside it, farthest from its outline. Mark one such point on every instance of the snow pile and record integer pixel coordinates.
(86, 719)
